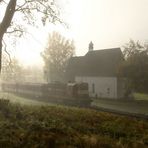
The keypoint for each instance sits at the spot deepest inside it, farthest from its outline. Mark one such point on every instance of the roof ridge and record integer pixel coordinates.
(106, 49)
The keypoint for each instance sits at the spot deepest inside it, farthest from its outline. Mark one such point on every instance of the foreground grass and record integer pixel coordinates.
(58, 126)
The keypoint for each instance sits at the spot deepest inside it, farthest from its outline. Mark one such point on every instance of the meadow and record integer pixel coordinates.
(43, 125)
(141, 96)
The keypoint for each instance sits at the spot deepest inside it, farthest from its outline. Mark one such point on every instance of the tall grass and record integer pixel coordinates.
(59, 126)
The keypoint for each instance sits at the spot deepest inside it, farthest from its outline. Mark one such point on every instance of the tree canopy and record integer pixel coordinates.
(135, 66)
(56, 55)
(19, 13)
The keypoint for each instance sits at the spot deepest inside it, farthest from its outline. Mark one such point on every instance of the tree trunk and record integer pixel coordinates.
(0, 55)
(9, 13)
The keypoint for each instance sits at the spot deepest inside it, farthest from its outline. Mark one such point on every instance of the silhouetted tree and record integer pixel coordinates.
(135, 66)
(56, 56)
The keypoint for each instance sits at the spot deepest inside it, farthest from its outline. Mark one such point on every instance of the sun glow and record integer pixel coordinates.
(28, 48)
(106, 23)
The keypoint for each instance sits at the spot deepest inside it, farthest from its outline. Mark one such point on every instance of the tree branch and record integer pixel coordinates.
(5, 49)
(15, 30)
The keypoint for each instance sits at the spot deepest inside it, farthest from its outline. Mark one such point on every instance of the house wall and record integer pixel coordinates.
(121, 87)
(102, 87)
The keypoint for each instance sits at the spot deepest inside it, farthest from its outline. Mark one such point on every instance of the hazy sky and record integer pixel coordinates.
(107, 23)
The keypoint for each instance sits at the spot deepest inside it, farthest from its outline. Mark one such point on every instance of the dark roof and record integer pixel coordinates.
(95, 63)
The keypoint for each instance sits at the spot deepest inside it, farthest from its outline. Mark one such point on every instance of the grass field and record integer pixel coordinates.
(21, 100)
(139, 106)
(39, 126)
(141, 96)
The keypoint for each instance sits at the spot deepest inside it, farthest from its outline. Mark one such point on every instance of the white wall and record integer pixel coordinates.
(104, 87)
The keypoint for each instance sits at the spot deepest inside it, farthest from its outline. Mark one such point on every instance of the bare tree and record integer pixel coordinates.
(28, 11)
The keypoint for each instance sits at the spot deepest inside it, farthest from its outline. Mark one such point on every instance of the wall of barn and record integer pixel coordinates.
(101, 87)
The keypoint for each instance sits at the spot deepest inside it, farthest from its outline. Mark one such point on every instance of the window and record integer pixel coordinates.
(108, 91)
(93, 88)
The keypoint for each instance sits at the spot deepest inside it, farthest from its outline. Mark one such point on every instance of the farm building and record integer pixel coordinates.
(99, 69)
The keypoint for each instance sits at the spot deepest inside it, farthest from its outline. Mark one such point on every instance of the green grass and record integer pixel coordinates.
(58, 126)
(141, 96)
(21, 100)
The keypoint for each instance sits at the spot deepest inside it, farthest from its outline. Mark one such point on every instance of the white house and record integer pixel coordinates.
(99, 68)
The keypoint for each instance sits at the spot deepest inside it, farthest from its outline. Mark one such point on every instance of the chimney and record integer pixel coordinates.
(91, 46)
